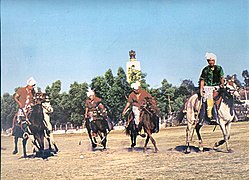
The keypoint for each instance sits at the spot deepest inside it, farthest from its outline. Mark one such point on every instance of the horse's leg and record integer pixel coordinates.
(24, 142)
(146, 142)
(188, 131)
(15, 144)
(104, 140)
(228, 130)
(152, 139)
(198, 127)
(53, 141)
(93, 141)
(133, 135)
(33, 143)
(47, 136)
(226, 135)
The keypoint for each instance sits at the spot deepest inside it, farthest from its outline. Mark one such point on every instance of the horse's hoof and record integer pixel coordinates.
(187, 151)
(230, 151)
(15, 152)
(156, 151)
(143, 135)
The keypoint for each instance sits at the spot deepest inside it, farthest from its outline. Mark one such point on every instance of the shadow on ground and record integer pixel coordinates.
(44, 155)
(183, 148)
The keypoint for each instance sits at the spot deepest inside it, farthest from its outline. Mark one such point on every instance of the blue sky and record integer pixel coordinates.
(79, 40)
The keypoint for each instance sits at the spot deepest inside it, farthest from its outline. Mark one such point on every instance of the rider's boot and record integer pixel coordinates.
(215, 118)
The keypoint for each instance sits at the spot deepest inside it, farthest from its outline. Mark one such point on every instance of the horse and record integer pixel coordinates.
(226, 114)
(100, 126)
(146, 116)
(37, 127)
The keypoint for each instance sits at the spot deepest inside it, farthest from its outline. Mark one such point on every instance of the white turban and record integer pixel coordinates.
(211, 56)
(90, 93)
(31, 81)
(135, 85)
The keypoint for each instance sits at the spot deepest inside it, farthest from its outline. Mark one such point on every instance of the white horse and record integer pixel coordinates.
(226, 114)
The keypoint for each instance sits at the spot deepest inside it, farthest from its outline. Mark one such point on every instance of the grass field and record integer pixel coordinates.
(118, 162)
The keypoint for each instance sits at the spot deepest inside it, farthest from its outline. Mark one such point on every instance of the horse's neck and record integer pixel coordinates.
(226, 110)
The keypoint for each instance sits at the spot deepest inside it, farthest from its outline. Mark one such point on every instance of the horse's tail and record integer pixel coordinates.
(180, 116)
(127, 131)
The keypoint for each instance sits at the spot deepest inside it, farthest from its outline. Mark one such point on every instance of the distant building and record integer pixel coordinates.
(133, 69)
(244, 95)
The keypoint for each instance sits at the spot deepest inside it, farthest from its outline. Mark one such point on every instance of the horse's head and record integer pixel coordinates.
(39, 98)
(232, 88)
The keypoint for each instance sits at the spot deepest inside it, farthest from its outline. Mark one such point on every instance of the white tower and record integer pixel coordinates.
(133, 68)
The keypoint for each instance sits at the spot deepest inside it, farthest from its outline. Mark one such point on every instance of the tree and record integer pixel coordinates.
(245, 75)
(165, 96)
(58, 116)
(8, 109)
(76, 105)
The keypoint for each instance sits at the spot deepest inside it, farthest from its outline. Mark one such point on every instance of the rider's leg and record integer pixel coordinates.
(215, 114)
(210, 104)
(136, 113)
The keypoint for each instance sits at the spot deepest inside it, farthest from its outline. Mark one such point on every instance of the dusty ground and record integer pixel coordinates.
(118, 162)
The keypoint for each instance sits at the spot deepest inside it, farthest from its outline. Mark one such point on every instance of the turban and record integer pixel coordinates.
(135, 85)
(31, 81)
(211, 56)
(90, 93)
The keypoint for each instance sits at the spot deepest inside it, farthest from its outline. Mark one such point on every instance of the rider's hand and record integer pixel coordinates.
(221, 86)
(201, 93)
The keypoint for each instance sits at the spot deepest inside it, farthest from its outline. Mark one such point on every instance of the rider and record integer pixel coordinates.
(136, 98)
(211, 79)
(24, 99)
(47, 111)
(95, 110)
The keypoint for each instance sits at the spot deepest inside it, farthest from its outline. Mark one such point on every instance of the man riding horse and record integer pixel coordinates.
(24, 98)
(137, 98)
(94, 110)
(211, 80)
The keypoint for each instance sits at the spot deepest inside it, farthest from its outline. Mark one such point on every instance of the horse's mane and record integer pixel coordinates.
(227, 97)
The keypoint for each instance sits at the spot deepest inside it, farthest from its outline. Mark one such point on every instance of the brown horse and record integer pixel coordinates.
(147, 118)
(100, 126)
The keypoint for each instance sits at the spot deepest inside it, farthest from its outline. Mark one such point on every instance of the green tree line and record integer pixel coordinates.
(112, 89)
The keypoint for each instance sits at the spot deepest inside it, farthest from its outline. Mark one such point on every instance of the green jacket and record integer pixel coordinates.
(212, 77)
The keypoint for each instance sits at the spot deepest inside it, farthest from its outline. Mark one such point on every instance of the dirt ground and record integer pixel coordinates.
(118, 162)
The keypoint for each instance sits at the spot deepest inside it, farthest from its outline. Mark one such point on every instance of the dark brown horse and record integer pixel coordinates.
(147, 118)
(100, 126)
(37, 126)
